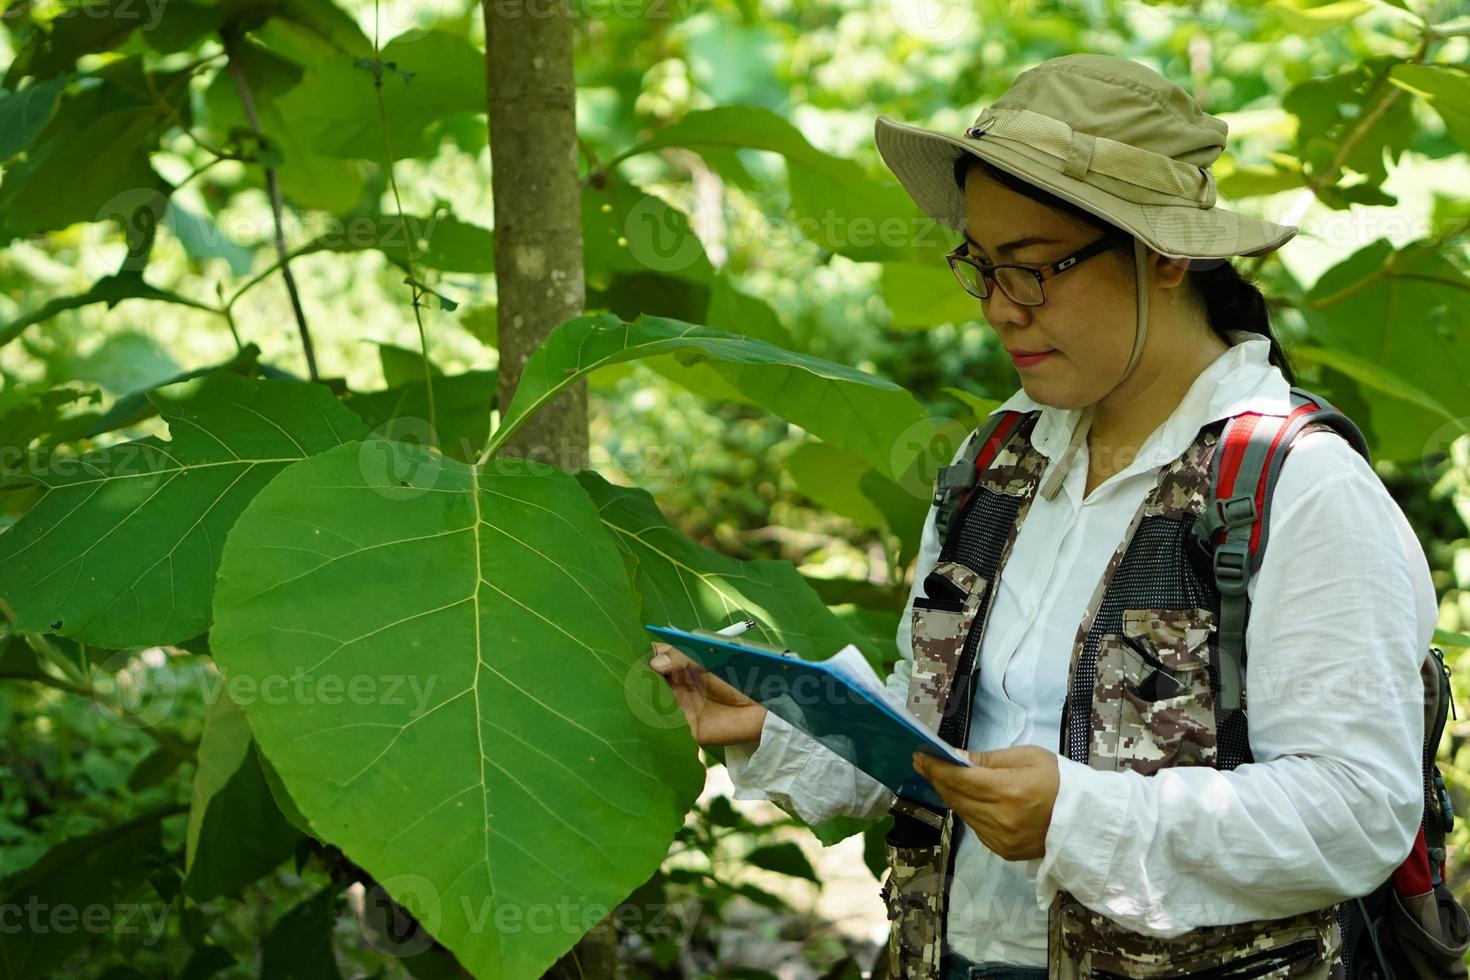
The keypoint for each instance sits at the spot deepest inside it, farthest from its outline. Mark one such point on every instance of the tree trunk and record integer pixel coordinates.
(531, 101)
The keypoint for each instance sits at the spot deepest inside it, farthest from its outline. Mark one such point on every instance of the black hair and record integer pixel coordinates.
(1231, 301)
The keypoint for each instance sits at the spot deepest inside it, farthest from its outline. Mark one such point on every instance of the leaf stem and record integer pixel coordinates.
(418, 315)
(273, 187)
(224, 310)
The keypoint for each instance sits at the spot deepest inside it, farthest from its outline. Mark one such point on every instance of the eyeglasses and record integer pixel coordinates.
(1022, 283)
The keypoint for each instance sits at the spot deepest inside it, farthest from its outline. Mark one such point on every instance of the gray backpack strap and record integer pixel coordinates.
(1324, 414)
(1267, 439)
(954, 479)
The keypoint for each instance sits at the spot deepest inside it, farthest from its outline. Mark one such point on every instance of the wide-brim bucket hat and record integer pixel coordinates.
(1111, 136)
(1107, 134)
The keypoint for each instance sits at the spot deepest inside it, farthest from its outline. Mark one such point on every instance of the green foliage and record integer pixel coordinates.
(1396, 322)
(122, 548)
(96, 873)
(485, 580)
(424, 78)
(680, 582)
(859, 412)
(93, 149)
(237, 832)
(777, 358)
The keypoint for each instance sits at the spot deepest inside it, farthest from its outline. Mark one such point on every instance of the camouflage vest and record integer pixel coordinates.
(1142, 689)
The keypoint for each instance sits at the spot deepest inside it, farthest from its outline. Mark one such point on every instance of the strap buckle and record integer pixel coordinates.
(1230, 563)
(1237, 511)
(1230, 560)
(952, 477)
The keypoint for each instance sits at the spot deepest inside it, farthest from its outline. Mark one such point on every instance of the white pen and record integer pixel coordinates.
(735, 629)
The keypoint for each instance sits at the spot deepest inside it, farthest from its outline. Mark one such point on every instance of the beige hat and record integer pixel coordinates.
(1109, 135)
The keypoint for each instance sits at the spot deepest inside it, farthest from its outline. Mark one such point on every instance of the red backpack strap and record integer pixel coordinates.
(1233, 527)
(955, 480)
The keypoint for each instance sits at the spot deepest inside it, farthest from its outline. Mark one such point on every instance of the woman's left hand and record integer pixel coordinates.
(1006, 797)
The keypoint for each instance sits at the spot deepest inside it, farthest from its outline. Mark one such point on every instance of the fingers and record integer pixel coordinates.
(680, 673)
(667, 659)
(967, 782)
(678, 668)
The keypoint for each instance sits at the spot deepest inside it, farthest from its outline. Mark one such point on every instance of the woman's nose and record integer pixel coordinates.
(999, 308)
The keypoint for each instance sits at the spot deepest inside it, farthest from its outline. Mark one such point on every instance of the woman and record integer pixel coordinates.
(1188, 841)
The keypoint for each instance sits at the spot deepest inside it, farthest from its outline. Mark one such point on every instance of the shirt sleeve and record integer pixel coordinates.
(1343, 611)
(803, 776)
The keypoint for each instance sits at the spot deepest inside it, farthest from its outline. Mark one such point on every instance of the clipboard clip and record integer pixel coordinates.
(751, 644)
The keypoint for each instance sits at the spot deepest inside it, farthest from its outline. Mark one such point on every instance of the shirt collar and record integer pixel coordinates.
(1242, 379)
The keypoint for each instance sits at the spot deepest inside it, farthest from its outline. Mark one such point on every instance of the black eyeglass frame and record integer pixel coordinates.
(987, 272)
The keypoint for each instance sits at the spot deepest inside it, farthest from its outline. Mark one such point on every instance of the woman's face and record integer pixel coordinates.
(1089, 316)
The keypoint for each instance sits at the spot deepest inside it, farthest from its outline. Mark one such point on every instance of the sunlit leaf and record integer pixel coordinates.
(122, 548)
(686, 585)
(853, 410)
(842, 207)
(497, 742)
(335, 110)
(1446, 89)
(94, 149)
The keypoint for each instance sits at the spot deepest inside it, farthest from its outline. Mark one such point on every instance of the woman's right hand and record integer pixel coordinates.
(718, 714)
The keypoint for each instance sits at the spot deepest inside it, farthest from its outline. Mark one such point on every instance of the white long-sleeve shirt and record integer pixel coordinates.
(1343, 610)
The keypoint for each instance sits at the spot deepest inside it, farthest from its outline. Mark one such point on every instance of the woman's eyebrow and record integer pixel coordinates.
(1011, 246)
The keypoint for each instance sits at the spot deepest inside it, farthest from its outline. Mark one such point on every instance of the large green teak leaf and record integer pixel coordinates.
(462, 404)
(684, 584)
(862, 413)
(468, 722)
(122, 548)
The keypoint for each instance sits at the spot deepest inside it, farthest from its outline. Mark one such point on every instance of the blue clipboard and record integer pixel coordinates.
(821, 702)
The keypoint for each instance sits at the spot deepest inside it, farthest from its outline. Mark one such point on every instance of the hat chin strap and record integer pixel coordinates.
(1053, 482)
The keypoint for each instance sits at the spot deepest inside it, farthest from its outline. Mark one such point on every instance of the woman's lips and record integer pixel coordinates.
(1026, 360)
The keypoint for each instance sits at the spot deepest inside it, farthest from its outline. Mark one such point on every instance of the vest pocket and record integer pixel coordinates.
(941, 620)
(1152, 701)
(914, 892)
(1090, 945)
(1176, 639)
(1280, 963)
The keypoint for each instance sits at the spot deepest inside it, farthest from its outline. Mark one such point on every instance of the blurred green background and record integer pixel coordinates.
(138, 246)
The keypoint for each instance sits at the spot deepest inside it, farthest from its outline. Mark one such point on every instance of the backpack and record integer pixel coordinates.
(1410, 927)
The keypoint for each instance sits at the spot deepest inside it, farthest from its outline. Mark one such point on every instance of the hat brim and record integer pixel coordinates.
(923, 160)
